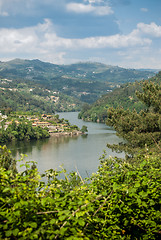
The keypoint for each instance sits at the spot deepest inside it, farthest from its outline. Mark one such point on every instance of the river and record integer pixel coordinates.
(78, 152)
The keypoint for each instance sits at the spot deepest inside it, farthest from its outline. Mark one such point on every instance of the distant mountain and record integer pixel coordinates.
(120, 97)
(150, 70)
(80, 71)
(84, 81)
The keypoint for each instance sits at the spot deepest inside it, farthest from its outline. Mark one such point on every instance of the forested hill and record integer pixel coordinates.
(43, 71)
(120, 97)
(84, 81)
(21, 95)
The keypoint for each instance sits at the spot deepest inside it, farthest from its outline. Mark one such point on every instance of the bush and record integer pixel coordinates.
(120, 201)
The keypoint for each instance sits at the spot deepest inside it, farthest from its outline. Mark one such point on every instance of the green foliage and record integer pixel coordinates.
(120, 201)
(81, 82)
(36, 101)
(22, 131)
(125, 97)
(24, 101)
(84, 129)
(120, 97)
(151, 96)
(6, 160)
(139, 129)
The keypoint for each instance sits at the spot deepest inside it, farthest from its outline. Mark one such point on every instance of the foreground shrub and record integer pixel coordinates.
(121, 201)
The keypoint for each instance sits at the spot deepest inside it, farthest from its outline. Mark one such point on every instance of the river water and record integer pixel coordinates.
(78, 152)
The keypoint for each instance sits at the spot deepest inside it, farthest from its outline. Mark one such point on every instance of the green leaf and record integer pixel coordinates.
(81, 222)
(52, 221)
(115, 186)
(15, 231)
(8, 233)
(137, 185)
(17, 213)
(139, 201)
(79, 214)
(144, 204)
(17, 205)
(62, 218)
(33, 225)
(6, 190)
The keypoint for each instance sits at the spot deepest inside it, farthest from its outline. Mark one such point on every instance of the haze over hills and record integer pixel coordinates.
(63, 87)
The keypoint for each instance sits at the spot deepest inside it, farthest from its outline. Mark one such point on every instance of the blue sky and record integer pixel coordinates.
(126, 33)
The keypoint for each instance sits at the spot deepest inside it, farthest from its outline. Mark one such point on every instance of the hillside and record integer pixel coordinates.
(84, 81)
(120, 97)
(20, 95)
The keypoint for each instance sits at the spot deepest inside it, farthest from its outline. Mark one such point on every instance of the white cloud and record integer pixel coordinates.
(16, 40)
(139, 58)
(41, 41)
(51, 40)
(94, 1)
(43, 38)
(150, 29)
(79, 8)
(88, 8)
(114, 41)
(103, 10)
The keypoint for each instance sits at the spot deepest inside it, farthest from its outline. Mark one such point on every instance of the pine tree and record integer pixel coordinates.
(139, 130)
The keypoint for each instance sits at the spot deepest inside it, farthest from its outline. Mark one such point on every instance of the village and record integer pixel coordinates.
(56, 126)
(52, 123)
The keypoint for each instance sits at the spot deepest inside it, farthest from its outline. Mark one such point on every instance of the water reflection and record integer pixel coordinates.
(81, 152)
(25, 147)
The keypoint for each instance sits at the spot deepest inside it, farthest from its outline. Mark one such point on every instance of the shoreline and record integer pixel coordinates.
(59, 134)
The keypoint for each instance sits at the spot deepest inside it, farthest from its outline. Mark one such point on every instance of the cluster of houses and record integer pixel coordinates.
(62, 128)
(45, 121)
(51, 127)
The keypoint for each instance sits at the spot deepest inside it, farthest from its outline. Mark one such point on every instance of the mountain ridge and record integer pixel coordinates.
(82, 82)
(19, 61)
(77, 63)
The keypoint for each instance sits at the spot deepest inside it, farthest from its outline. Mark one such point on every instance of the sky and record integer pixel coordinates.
(125, 33)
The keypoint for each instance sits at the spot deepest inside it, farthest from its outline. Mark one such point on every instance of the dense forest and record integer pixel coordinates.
(120, 97)
(121, 201)
(22, 131)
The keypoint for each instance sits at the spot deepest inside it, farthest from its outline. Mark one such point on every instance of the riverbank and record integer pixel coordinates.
(28, 127)
(74, 133)
(82, 151)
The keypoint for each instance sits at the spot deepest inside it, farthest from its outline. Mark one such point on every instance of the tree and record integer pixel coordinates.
(139, 129)
(84, 129)
(151, 96)
(6, 160)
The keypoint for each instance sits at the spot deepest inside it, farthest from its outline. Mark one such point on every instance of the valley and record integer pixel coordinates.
(33, 85)
(92, 194)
